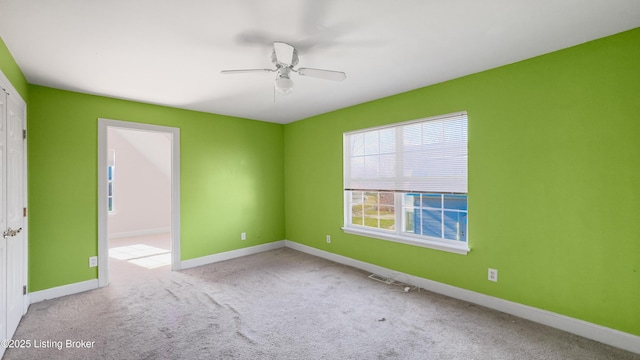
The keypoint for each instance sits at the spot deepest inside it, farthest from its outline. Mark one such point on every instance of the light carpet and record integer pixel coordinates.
(283, 304)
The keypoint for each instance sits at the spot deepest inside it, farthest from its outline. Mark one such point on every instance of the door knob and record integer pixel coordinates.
(10, 232)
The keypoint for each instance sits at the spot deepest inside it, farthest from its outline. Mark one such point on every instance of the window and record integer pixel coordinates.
(408, 182)
(111, 165)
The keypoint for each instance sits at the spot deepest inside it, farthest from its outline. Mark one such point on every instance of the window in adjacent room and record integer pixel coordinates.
(111, 166)
(408, 182)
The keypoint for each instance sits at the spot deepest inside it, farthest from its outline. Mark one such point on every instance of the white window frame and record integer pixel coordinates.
(398, 235)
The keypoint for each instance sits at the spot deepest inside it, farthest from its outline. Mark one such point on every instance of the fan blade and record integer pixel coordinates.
(323, 74)
(284, 53)
(246, 71)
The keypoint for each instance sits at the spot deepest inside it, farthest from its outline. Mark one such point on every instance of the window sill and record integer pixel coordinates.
(462, 249)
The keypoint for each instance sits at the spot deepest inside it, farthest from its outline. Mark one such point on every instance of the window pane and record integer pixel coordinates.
(432, 132)
(387, 166)
(455, 202)
(455, 130)
(357, 145)
(463, 227)
(411, 164)
(411, 200)
(371, 197)
(110, 204)
(357, 220)
(387, 198)
(110, 189)
(387, 217)
(371, 166)
(356, 208)
(411, 136)
(370, 210)
(431, 223)
(371, 143)
(357, 167)
(371, 221)
(388, 141)
(455, 225)
(411, 215)
(432, 201)
(356, 214)
(410, 220)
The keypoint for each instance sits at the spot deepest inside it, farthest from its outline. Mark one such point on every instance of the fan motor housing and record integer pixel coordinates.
(294, 59)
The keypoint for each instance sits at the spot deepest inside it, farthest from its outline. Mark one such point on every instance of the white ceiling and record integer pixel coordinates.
(171, 52)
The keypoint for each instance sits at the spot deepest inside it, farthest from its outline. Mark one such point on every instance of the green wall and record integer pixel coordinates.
(554, 181)
(11, 70)
(231, 181)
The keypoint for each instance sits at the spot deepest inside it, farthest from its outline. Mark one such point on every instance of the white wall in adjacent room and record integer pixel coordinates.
(142, 182)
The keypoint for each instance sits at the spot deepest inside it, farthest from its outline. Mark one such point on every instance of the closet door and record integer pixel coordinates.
(15, 257)
(3, 216)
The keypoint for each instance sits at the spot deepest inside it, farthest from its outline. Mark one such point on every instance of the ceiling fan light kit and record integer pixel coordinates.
(284, 84)
(285, 57)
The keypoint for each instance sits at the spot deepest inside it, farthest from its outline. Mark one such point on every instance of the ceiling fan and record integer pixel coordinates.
(285, 57)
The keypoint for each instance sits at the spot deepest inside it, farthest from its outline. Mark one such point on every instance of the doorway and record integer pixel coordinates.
(138, 172)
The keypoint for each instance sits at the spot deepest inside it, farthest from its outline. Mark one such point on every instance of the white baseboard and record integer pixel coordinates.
(228, 255)
(616, 338)
(64, 290)
(143, 232)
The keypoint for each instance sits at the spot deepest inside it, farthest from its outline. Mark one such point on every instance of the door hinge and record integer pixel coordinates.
(24, 134)
(24, 290)
(24, 212)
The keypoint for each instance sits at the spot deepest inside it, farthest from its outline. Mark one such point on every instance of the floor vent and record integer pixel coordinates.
(402, 287)
(381, 278)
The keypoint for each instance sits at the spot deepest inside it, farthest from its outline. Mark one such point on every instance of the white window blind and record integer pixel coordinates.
(427, 155)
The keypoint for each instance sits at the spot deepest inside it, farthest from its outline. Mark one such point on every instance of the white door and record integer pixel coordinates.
(15, 216)
(12, 244)
(3, 216)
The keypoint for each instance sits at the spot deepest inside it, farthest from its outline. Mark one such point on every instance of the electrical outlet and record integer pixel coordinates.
(243, 236)
(328, 239)
(93, 261)
(493, 275)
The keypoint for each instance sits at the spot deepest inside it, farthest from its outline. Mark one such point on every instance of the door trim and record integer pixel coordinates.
(103, 241)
